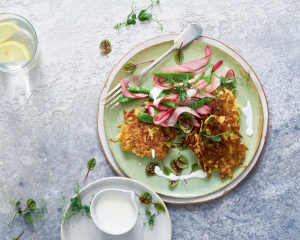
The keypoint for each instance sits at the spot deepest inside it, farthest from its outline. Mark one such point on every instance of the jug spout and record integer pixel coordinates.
(131, 194)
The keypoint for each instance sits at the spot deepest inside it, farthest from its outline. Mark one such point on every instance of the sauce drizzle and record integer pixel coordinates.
(173, 177)
(247, 111)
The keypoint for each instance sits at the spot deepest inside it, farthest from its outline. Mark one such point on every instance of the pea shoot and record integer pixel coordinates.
(215, 138)
(76, 205)
(146, 199)
(132, 17)
(38, 213)
(151, 217)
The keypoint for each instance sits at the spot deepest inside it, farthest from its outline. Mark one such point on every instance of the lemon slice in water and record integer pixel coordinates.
(7, 29)
(13, 51)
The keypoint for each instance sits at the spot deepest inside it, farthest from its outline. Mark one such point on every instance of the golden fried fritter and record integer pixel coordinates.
(226, 105)
(224, 155)
(140, 137)
(220, 156)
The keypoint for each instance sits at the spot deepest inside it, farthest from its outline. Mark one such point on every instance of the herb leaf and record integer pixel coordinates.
(145, 16)
(195, 167)
(76, 205)
(29, 219)
(90, 165)
(159, 206)
(180, 141)
(130, 66)
(182, 161)
(150, 168)
(185, 123)
(105, 47)
(166, 171)
(141, 13)
(142, 16)
(166, 143)
(199, 102)
(216, 138)
(151, 219)
(223, 80)
(31, 204)
(179, 56)
(173, 183)
(145, 198)
(17, 238)
(174, 168)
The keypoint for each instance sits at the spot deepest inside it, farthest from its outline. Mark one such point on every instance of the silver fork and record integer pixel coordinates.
(187, 36)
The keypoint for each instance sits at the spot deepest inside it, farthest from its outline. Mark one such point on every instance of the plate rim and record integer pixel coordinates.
(237, 181)
(124, 179)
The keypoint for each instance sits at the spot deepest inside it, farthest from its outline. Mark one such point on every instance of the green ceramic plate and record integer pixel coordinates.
(134, 167)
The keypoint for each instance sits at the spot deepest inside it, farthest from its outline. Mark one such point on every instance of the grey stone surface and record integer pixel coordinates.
(43, 150)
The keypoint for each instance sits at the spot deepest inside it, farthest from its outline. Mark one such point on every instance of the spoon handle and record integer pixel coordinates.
(146, 70)
(187, 36)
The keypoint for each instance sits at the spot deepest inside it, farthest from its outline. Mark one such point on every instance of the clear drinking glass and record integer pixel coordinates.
(26, 35)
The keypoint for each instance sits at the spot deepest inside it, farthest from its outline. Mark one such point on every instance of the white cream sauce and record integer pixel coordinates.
(249, 122)
(173, 177)
(191, 92)
(153, 153)
(115, 210)
(155, 92)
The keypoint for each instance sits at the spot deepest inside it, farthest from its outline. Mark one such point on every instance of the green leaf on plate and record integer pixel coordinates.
(159, 207)
(173, 183)
(150, 168)
(182, 161)
(179, 57)
(166, 171)
(145, 198)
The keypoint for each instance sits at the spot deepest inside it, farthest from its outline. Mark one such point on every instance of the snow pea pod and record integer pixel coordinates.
(139, 89)
(171, 104)
(155, 111)
(145, 117)
(175, 76)
(123, 99)
(199, 102)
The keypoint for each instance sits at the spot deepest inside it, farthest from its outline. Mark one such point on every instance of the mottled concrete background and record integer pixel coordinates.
(43, 150)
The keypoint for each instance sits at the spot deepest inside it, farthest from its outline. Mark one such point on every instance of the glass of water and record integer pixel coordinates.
(18, 43)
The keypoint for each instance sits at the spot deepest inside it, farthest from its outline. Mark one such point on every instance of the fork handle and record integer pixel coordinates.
(146, 70)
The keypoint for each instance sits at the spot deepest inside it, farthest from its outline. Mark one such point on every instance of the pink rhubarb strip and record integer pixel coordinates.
(162, 116)
(128, 94)
(225, 72)
(171, 121)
